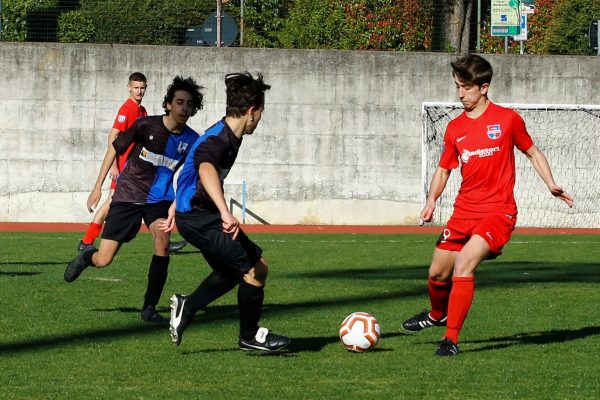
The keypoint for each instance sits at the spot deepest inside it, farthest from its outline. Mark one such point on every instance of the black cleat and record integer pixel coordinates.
(264, 340)
(421, 321)
(446, 348)
(179, 318)
(174, 247)
(81, 247)
(149, 314)
(75, 267)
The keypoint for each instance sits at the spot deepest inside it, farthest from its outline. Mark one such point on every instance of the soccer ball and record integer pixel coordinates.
(360, 332)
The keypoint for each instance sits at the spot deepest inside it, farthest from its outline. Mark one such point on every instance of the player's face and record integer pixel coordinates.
(137, 90)
(181, 107)
(470, 95)
(255, 116)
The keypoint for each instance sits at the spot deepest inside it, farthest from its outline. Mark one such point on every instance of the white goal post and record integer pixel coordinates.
(569, 136)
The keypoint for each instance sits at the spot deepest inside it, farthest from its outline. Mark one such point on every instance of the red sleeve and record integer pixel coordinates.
(125, 118)
(523, 141)
(449, 157)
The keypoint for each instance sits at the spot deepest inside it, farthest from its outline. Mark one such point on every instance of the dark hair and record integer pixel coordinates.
(190, 86)
(137, 77)
(244, 91)
(472, 69)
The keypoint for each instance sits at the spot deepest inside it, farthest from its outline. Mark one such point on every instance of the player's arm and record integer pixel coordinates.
(107, 163)
(212, 184)
(541, 166)
(436, 188)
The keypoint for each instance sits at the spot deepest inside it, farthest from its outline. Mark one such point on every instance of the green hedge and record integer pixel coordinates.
(14, 17)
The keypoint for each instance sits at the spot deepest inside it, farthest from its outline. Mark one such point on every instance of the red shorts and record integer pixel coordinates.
(495, 229)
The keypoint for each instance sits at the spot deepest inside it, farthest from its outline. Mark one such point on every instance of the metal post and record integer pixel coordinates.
(242, 23)
(597, 43)
(478, 47)
(219, 2)
(505, 44)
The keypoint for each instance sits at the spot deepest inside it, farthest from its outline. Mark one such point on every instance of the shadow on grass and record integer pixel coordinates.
(300, 345)
(535, 338)
(490, 273)
(211, 314)
(18, 273)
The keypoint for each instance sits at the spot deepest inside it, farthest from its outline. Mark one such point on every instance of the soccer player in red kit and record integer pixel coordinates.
(129, 112)
(481, 142)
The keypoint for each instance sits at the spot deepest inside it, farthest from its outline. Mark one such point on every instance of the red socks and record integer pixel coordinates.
(439, 293)
(92, 233)
(461, 297)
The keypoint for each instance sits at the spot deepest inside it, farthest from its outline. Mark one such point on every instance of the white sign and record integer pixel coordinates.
(523, 35)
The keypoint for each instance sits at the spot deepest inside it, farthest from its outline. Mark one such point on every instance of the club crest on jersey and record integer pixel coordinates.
(121, 118)
(182, 147)
(493, 131)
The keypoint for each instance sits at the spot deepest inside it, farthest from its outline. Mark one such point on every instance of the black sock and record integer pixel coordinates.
(212, 287)
(250, 302)
(157, 276)
(87, 257)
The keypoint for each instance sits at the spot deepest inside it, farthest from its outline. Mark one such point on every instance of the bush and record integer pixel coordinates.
(567, 33)
(75, 27)
(14, 17)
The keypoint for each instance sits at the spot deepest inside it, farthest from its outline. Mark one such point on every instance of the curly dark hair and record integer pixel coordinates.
(244, 91)
(190, 86)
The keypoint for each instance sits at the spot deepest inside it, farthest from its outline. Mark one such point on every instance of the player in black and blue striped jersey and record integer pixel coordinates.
(144, 190)
(205, 221)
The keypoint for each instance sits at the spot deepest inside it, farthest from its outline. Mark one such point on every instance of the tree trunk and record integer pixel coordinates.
(457, 14)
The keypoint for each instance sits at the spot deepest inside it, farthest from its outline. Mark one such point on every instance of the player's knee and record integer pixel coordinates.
(258, 274)
(101, 260)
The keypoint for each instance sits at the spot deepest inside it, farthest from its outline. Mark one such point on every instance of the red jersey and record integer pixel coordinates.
(484, 149)
(129, 112)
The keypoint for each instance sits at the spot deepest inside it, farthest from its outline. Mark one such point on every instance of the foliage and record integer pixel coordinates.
(567, 33)
(538, 24)
(144, 21)
(263, 19)
(360, 24)
(14, 17)
(75, 27)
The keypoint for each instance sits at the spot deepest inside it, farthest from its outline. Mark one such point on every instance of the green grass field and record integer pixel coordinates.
(533, 331)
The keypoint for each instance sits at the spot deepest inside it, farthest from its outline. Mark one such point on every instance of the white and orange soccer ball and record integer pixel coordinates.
(360, 332)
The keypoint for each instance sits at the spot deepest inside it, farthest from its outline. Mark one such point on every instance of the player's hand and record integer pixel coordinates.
(561, 194)
(230, 224)
(113, 172)
(166, 225)
(427, 213)
(94, 199)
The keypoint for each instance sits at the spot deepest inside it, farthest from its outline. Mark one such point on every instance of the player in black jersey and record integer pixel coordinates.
(144, 190)
(205, 221)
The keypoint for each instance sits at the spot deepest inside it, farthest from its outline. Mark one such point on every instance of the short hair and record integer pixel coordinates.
(190, 86)
(472, 69)
(244, 91)
(137, 77)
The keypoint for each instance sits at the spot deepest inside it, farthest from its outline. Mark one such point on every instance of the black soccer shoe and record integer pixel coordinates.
(180, 319)
(264, 340)
(149, 314)
(446, 348)
(81, 247)
(174, 247)
(421, 321)
(75, 268)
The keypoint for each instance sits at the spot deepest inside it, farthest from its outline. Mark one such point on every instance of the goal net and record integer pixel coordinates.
(569, 136)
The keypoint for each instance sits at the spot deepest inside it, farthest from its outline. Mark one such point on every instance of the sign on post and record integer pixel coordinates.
(523, 35)
(506, 19)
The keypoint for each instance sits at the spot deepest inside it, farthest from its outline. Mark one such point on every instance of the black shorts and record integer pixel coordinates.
(204, 230)
(124, 220)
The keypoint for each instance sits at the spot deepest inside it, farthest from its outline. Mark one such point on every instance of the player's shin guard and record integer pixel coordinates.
(461, 297)
(157, 276)
(250, 302)
(212, 287)
(439, 294)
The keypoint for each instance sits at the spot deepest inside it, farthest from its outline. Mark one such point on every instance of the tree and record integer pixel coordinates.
(457, 15)
(567, 32)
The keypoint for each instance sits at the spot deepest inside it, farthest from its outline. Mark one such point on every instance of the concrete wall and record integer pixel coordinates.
(339, 142)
